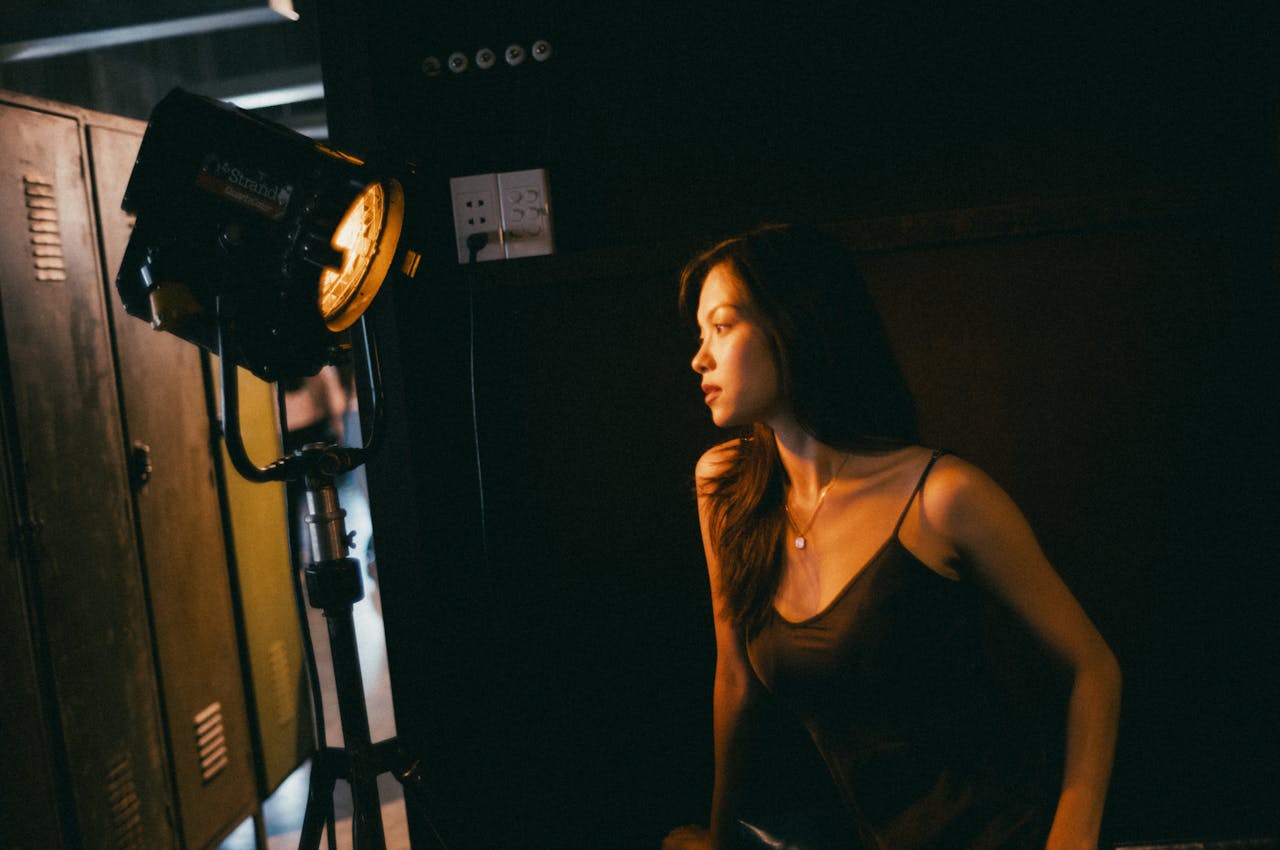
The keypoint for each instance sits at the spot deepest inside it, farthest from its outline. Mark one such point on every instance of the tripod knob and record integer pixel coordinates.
(334, 584)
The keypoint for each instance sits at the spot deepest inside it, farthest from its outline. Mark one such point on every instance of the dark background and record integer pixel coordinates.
(1067, 217)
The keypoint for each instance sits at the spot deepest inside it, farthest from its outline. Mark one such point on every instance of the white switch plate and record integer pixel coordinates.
(476, 210)
(526, 213)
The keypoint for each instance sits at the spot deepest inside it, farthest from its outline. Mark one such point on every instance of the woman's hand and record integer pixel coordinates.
(688, 838)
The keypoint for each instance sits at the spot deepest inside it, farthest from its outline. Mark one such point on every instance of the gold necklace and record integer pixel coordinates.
(801, 540)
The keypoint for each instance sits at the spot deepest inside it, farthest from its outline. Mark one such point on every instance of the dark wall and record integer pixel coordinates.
(547, 593)
(1116, 382)
(1108, 361)
(660, 122)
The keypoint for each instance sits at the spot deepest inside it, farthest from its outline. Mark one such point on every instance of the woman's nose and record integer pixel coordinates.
(701, 359)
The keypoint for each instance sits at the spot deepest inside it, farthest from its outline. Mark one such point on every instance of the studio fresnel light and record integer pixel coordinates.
(245, 224)
(259, 244)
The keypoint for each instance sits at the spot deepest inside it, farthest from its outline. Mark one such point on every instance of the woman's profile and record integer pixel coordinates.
(848, 565)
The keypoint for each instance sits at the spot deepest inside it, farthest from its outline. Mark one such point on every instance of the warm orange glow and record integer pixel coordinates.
(367, 237)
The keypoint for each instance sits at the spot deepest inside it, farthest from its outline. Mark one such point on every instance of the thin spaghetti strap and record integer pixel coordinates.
(937, 453)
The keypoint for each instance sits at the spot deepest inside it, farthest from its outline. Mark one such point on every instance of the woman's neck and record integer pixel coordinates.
(809, 463)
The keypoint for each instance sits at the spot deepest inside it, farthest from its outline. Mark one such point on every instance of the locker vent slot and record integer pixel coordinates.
(282, 683)
(126, 809)
(211, 741)
(43, 229)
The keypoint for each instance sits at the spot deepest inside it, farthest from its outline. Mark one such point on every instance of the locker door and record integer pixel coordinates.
(273, 631)
(68, 464)
(28, 797)
(181, 529)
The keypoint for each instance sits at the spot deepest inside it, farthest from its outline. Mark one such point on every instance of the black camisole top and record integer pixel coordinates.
(890, 682)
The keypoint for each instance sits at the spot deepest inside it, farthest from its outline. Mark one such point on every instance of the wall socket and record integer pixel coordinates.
(476, 212)
(512, 210)
(526, 213)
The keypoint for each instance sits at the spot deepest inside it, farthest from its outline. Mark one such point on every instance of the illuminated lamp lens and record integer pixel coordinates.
(366, 237)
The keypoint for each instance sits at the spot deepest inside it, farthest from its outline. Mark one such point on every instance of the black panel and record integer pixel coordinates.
(559, 618)
(708, 116)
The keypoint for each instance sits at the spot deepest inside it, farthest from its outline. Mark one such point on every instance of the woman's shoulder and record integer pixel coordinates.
(958, 493)
(953, 473)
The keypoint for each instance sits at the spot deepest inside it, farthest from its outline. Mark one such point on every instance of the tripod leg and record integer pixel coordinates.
(408, 771)
(334, 584)
(319, 811)
(366, 822)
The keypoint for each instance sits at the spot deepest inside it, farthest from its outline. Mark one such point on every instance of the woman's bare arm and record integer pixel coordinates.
(990, 535)
(735, 689)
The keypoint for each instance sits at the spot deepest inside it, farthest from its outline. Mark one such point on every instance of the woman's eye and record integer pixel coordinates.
(718, 328)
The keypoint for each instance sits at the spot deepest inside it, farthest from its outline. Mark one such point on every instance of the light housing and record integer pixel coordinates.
(245, 224)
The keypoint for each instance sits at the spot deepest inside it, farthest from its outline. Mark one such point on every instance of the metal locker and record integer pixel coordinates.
(273, 630)
(80, 573)
(28, 771)
(182, 536)
(258, 572)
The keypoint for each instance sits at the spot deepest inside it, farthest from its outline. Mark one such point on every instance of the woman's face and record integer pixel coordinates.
(739, 376)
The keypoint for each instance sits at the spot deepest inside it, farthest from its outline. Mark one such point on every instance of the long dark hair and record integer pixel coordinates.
(837, 372)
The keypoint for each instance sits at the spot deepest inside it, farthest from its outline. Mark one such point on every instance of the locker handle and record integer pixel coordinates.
(139, 465)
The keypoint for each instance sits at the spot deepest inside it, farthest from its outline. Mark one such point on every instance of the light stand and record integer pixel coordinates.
(333, 585)
(265, 247)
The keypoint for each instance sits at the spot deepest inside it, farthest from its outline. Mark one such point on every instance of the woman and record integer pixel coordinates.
(849, 565)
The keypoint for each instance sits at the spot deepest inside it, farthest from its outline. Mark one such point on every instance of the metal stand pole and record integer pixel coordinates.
(333, 584)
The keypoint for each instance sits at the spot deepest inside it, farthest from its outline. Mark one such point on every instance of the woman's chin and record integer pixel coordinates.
(725, 420)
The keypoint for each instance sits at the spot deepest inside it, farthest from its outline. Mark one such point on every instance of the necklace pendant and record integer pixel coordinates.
(800, 542)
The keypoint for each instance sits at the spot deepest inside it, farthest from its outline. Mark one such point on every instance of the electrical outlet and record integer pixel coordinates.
(476, 211)
(526, 213)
